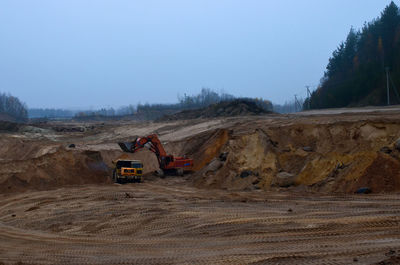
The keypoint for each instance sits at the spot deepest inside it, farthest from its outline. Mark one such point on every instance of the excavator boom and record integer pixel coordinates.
(151, 141)
(166, 162)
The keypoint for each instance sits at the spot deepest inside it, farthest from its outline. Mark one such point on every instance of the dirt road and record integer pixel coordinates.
(170, 222)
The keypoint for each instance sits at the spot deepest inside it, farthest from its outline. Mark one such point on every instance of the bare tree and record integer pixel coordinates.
(13, 107)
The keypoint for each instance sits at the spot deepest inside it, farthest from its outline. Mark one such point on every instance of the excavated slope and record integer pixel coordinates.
(325, 154)
(340, 157)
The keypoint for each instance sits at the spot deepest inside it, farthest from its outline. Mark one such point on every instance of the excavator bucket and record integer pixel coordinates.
(127, 147)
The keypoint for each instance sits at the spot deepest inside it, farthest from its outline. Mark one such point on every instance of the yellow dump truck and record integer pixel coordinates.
(126, 170)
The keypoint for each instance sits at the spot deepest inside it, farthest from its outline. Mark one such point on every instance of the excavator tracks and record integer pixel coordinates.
(171, 222)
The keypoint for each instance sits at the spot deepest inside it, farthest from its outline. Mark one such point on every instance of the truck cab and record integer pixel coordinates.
(126, 170)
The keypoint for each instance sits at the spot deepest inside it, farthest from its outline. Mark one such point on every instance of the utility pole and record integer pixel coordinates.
(308, 96)
(387, 85)
(296, 102)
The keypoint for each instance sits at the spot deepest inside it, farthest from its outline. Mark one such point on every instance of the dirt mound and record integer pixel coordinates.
(53, 170)
(238, 107)
(15, 149)
(341, 157)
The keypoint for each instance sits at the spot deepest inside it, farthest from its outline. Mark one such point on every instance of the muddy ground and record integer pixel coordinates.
(273, 189)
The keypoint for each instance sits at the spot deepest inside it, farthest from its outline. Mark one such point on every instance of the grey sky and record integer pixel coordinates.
(81, 53)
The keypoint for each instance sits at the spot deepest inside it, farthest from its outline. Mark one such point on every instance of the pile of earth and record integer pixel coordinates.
(237, 107)
(55, 168)
(341, 157)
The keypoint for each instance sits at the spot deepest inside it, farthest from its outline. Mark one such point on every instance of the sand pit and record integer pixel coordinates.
(322, 154)
(265, 190)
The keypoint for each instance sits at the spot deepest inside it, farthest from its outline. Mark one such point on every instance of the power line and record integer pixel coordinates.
(308, 97)
(296, 103)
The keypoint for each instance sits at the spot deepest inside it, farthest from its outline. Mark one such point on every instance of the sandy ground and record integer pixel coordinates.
(170, 222)
(212, 216)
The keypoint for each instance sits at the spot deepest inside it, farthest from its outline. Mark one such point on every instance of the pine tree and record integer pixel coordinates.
(354, 75)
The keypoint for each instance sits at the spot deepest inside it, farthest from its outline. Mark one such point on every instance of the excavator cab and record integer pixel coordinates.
(166, 160)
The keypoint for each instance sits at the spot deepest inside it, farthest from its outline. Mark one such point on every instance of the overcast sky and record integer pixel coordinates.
(81, 53)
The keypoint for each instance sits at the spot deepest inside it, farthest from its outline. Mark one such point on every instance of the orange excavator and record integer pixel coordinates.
(168, 163)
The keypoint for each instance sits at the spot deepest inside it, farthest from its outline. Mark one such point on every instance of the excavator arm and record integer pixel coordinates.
(151, 142)
(166, 162)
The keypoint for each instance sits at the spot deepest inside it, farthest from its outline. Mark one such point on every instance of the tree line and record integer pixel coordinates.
(356, 72)
(205, 98)
(12, 107)
(147, 111)
(107, 112)
(50, 113)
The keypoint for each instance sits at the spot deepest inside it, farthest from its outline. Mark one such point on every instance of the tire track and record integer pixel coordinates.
(172, 223)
